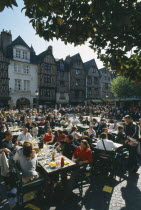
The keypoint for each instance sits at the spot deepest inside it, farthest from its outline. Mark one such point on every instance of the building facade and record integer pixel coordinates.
(92, 81)
(77, 79)
(22, 71)
(63, 77)
(47, 78)
(5, 40)
(23, 74)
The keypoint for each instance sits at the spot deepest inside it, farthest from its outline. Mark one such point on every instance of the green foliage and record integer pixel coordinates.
(122, 87)
(113, 25)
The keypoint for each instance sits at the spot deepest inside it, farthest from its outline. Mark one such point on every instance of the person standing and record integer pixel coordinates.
(132, 131)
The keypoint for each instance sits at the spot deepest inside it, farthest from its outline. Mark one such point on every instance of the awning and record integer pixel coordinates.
(97, 101)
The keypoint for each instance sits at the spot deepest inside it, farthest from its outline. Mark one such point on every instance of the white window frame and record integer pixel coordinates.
(25, 55)
(26, 69)
(26, 85)
(17, 68)
(18, 84)
(18, 53)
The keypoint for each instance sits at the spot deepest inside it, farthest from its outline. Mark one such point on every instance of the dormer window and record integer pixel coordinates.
(18, 53)
(24, 55)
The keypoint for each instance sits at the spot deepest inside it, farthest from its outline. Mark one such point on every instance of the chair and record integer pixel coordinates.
(23, 188)
(103, 161)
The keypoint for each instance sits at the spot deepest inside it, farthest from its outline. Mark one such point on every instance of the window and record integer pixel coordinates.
(18, 84)
(61, 74)
(96, 80)
(45, 92)
(62, 83)
(47, 78)
(26, 85)
(77, 71)
(16, 68)
(24, 55)
(61, 66)
(47, 66)
(89, 80)
(93, 70)
(96, 89)
(26, 69)
(108, 78)
(76, 94)
(62, 96)
(18, 53)
(77, 82)
(106, 86)
(89, 91)
(105, 77)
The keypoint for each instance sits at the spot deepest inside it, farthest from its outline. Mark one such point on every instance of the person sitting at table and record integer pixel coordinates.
(42, 122)
(52, 122)
(67, 146)
(83, 153)
(86, 121)
(25, 136)
(49, 136)
(110, 136)
(47, 125)
(105, 143)
(34, 129)
(91, 131)
(60, 136)
(27, 159)
(114, 126)
(74, 133)
(121, 136)
(7, 142)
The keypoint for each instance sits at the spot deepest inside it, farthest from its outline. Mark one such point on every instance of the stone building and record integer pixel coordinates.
(92, 81)
(5, 40)
(47, 78)
(22, 71)
(77, 79)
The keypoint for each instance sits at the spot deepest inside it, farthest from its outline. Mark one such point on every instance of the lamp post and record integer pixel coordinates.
(37, 98)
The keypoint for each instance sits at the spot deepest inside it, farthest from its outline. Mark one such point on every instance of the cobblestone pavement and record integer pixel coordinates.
(125, 195)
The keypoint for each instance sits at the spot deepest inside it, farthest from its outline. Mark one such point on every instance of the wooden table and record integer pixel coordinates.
(45, 158)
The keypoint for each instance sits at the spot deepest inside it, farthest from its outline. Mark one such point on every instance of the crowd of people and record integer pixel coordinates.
(61, 128)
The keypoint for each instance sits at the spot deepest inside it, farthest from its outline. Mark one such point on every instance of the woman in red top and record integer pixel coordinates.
(49, 136)
(83, 153)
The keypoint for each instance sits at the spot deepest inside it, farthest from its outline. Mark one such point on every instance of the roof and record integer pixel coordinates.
(19, 41)
(89, 63)
(41, 56)
(103, 69)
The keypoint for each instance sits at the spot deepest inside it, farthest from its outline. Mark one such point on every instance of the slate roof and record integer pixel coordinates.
(20, 41)
(88, 63)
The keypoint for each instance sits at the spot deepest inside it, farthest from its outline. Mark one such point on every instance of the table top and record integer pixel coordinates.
(83, 126)
(45, 159)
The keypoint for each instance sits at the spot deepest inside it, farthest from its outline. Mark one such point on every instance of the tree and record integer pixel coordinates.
(112, 25)
(122, 87)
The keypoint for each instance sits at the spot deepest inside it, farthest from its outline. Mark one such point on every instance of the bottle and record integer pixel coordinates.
(62, 162)
(53, 154)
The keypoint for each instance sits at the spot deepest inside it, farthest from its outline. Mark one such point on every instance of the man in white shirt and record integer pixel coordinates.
(105, 144)
(25, 135)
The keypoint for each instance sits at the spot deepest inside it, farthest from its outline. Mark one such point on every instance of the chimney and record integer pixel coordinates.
(6, 40)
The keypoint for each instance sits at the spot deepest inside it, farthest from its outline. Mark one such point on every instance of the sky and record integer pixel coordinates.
(18, 23)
